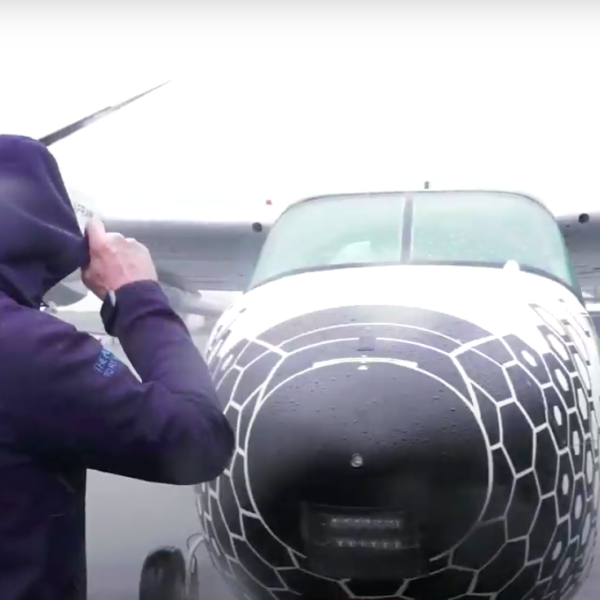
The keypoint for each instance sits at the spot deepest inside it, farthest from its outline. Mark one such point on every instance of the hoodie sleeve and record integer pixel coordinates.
(78, 403)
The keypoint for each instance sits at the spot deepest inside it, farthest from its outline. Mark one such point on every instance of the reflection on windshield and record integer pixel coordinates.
(487, 228)
(332, 230)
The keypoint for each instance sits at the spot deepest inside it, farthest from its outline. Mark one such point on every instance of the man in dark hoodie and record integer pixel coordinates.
(66, 403)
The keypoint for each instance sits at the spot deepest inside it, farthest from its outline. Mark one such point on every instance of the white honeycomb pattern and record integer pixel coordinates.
(555, 540)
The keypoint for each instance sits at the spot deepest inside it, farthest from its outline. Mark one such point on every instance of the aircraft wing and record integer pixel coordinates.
(221, 256)
(581, 232)
(198, 255)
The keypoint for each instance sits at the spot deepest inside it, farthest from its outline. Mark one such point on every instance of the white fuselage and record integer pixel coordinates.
(494, 299)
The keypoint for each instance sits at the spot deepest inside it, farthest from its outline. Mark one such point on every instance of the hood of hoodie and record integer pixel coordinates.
(41, 242)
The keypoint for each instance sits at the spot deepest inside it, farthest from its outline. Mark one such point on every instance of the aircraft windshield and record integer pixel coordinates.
(487, 228)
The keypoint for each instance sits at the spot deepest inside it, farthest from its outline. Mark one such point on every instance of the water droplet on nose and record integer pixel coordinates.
(356, 461)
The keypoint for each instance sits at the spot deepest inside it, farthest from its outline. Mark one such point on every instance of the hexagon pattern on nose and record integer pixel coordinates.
(420, 442)
(419, 396)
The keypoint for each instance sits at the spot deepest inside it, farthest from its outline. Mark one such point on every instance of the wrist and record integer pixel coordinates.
(125, 304)
(134, 286)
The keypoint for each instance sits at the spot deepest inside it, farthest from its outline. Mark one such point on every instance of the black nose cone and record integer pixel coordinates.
(375, 433)
(481, 446)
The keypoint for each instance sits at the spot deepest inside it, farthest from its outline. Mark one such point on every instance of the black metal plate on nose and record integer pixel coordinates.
(420, 446)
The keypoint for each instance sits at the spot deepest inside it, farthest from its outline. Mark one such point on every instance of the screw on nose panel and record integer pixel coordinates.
(356, 461)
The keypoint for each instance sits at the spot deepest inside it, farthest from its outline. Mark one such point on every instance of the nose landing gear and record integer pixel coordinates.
(167, 575)
(163, 576)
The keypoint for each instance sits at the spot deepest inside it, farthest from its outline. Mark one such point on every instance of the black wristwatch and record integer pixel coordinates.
(108, 312)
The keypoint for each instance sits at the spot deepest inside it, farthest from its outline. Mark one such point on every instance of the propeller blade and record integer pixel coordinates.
(68, 130)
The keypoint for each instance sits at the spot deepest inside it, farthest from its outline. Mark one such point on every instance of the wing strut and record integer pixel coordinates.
(64, 132)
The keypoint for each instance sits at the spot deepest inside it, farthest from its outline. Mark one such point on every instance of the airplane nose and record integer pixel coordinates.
(469, 459)
(371, 432)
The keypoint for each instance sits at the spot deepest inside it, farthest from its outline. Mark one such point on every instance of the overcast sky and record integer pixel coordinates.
(281, 103)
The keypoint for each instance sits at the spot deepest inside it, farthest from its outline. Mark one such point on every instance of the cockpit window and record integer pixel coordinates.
(487, 228)
(484, 227)
(333, 230)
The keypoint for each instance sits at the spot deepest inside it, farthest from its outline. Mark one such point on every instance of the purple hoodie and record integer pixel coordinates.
(67, 404)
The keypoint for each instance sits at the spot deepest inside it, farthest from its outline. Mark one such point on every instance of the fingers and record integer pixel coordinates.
(96, 233)
(100, 240)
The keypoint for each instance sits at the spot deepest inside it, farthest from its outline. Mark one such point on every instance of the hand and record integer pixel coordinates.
(115, 261)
